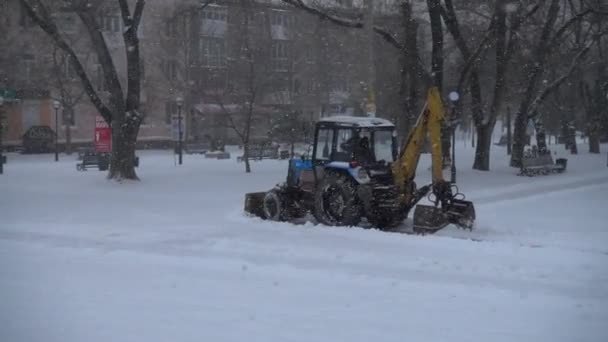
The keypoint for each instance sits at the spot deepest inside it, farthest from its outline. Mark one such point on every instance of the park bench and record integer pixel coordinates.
(534, 164)
(101, 161)
(197, 148)
(217, 155)
(261, 151)
(84, 150)
(91, 159)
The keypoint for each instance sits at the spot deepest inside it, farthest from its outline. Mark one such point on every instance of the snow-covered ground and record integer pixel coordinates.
(173, 258)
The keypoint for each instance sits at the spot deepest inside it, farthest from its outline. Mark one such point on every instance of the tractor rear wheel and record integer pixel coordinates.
(336, 201)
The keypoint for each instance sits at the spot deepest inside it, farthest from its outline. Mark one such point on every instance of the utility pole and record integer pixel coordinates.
(371, 71)
(68, 115)
(180, 103)
(56, 106)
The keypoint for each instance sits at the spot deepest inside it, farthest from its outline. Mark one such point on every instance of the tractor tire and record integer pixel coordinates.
(273, 206)
(336, 201)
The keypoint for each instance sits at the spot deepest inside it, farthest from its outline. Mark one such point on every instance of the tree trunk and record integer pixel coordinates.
(472, 137)
(541, 137)
(246, 156)
(572, 138)
(532, 74)
(509, 133)
(519, 138)
(124, 138)
(68, 131)
(594, 142)
(434, 8)
(482, 152)
(408, 90)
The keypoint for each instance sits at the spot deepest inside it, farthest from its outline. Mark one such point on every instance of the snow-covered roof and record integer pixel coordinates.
(358, 121)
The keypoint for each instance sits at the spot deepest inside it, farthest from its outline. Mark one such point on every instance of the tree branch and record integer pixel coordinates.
(40, 16)
(557, 82)
(572, 21)
(345, 22)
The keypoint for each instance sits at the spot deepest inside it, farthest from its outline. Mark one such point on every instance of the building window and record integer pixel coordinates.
(281, 18)
(66, 22)
(25, 20)
(311, 86)
(280, 55)
(214, 13)
(169, 69)
(28, 63)
(110, 23)
(212, 52)
(67, 68)
(171, 28)
(101, 81)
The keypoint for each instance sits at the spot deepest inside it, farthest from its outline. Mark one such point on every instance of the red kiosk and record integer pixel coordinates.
(99, 156)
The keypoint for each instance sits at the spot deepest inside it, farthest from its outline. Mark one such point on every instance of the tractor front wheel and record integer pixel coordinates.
(274, 206)
(336, 201)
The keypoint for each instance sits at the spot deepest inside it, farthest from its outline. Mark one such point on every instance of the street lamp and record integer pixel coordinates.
(1, 131)
(180, 103)
(56, 106)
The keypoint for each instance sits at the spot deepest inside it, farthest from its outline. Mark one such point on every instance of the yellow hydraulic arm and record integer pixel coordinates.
(430, 120)
(428, 219)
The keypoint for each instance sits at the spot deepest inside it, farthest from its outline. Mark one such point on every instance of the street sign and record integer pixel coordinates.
(103, 136)
(175, 127)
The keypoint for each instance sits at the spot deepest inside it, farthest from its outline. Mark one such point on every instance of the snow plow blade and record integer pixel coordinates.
(254, 203)
(429, 219)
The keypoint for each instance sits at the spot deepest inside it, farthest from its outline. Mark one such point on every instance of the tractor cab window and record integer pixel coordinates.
(345, 144)
(383, 145)
(324, 143)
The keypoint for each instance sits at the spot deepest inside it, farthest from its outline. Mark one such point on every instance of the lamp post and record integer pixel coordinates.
(56, 105)
(180, 103)
(454, 97)
(1, 132)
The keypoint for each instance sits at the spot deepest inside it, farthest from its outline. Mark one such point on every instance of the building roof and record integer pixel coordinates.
(358, 121)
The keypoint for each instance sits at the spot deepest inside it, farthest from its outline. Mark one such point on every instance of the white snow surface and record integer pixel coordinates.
(174, 258)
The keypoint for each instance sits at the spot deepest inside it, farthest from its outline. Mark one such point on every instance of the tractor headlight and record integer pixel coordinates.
(362, 175)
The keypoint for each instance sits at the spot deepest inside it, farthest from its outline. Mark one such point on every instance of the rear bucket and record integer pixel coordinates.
(429, 219)
(462, 213)
(254, 203)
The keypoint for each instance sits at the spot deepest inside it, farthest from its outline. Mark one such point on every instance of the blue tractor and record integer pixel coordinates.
(357, 172)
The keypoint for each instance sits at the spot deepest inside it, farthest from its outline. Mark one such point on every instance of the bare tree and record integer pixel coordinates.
(550, 38)
(250, 75)
(122, 110)
(68, 93)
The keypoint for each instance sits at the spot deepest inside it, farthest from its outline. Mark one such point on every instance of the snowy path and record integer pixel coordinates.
(174, 259)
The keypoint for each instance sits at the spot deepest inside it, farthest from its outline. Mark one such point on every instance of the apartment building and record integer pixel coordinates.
(300, 64)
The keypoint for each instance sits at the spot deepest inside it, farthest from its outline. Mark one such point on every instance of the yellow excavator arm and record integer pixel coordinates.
(429, 218)
(430, 121)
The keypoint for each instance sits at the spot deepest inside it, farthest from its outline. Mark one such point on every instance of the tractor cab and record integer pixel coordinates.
(354, 141)
(351, 145)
